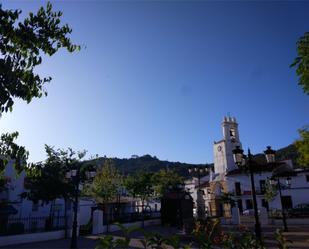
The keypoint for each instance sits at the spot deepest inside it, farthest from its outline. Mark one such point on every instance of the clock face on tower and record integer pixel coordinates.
(219, 148)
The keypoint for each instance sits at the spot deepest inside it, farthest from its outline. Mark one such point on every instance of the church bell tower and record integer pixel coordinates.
(223, 149)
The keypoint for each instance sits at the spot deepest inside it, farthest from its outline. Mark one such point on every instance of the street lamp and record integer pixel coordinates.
(275, 180)
(246, 163)
(199, 172)
(75, 176)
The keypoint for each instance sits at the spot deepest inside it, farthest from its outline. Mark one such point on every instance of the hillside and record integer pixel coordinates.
(288, 152)
(148, 163)
(153, 164)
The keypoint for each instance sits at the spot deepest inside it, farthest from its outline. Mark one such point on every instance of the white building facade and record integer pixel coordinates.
(230, 179)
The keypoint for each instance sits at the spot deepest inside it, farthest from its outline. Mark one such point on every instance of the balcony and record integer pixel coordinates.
(248, 192)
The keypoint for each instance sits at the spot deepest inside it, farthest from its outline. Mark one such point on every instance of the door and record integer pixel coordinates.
(287, 202)
(239, 205)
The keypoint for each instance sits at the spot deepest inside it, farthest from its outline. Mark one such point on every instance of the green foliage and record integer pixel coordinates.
(301, 62)
(148, 163)
(154, 241)
(140, 185)
(165, 178)
(247, 240)
(281, 240)
(228, 198)
(46, 180)
(209, 235)
(205, 233)
(9, 150)
(106, 183)
(270, 191)
(22, 46)
(302, 146)
(107, 241)
(173, 241)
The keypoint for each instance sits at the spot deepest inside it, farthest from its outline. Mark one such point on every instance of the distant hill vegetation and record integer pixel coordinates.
(153, 164)
(148, 163)
(286, 153)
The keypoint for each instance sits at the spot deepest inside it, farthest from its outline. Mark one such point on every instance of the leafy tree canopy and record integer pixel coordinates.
(22, 44)
(140, 185)
(106, 183)
(228, 198)
(301, 62)
(271, 191)
(302, 146)
(10, 150)
(46, 180)
(164, 179)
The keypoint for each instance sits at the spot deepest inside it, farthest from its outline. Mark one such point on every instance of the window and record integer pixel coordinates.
(249, 204)
(237, 188)
(307, 178)
(287, 202)
(232, 133)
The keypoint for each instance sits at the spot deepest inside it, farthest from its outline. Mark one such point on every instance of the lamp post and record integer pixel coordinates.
(75, 176)
(241, 162)
(198, 172)
(275, 179)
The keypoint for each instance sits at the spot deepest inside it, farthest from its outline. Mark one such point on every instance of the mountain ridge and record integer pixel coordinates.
(150, 163)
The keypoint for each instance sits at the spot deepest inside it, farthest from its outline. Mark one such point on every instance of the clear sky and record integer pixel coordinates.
(157, 77)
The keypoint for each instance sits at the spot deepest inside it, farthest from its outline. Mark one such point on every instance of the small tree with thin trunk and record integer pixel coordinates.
(46, 180)
(105, 185)
(140, 185)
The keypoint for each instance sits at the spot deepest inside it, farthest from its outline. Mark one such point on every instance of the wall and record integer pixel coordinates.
(299, 190)
(24, 206)
(85, 210)
(31, 237)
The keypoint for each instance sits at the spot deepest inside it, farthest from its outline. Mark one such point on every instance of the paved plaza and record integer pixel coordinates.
(298, 234)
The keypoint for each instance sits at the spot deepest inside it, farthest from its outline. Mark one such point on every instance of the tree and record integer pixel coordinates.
(164, 179)
(302, 146)
(22, 45)
(46, 181)
(270, 191)
(140, 185)
(301, 62)
(105, 185)
(9, 150)
(228, 198)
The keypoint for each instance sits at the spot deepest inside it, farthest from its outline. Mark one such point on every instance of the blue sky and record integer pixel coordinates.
(158, 77)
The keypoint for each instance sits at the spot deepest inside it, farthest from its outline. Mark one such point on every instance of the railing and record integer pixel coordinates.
(10, 226)
(248, 192)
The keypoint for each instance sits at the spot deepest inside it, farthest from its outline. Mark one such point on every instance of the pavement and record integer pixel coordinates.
(299, 235)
